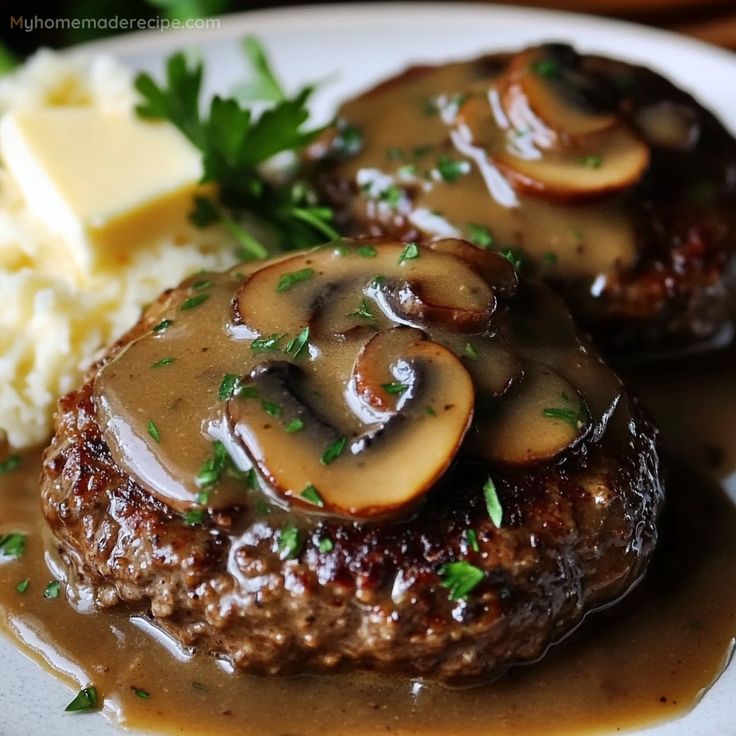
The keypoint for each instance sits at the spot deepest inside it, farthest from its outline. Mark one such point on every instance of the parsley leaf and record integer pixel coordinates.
(194, 301)
(334, 451)
(290, 542)
(86, 700)
(163, 325)
(297, 345)
(12, 545)
(288, 280)
(153, 430)
(472, 538)
(495, 510)
(227, 386)
(311, 494)
(163, 362)
(460, 578)
(451, 170)
(325, 545)
(273, 410)
(480, 235)
(52, 590)
(10, 464)
(22, 586)
(363, 311)
(410, 252)
(570, 416)
(295, 425)
(264, 344)
(395, 388)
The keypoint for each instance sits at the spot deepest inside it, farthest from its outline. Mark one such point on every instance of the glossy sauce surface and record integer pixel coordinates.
(646, 660)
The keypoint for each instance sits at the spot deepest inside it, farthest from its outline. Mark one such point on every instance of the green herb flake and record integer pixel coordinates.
(52, 590)
(480, 235)
(195, 301)
(202, 498)
(430, 411)
(262, 507)
(451, 170)
(265, 344)
(140, 693)
(290, 542)
(394, 154)
(273, 410)
(247, 392)
(334, 451)
(363, 311)
(201, 284)
(377, 281)
(391, 196)
(168, 360)
(193, 517)
(10, 464)
(22, 586)
(297, 345)
(470, 351)
(153, 430)
(227, 386)
(311, 494)
(349, 140)
(570, 416)
(12, 545)
(460, 578)
(163, 325)
(409, 253)
(86, 700)
(295, 425)
(495, 510)
(325, 545)
(366, 251)
(289, 280)
(546, 68)
(395, 388)
(472, 539)
(591, 162)
(213, 467)
(512, 257)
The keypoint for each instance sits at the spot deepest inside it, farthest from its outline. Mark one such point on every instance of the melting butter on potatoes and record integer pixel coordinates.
(345, 380)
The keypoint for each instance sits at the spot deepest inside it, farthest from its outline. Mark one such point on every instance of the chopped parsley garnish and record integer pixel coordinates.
(235, 143)
(480, 235)
(273, 410)
(410, 252)
(395, 388)
(153, 430)
(592, 161)
(10, 464)
(295, 425)
(460, 578)
(214, 466)
(391, 196)
(202, 498)
(430, 411)
(290, 542)
(52, 590)
(334, 451)
(201, 285)
(493, 505)
(227, 386)
(311, 494)
(247, 392)
(86, 700)
(195, 301)
(512, 257)
(377, 281)
(262, 507)
(264, 344)
(349, 140)
(325, 545)
(168, 360)
(394, 154)
(570, 416)
(163, 325)
(140, 693)
(470, 351)
(451, 170)
(22, 586)
(546, 68)
(193, 517)
(297, 345)
(363, 311)
(472, 538)
(289, 280)
(366, 251)
(12, 545)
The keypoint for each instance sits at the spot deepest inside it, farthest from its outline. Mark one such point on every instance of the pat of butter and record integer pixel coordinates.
(105, 184)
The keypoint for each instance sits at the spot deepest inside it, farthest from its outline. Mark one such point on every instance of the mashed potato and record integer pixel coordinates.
(51, 325)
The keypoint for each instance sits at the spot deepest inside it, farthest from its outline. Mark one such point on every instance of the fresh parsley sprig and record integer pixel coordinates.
(235, 144)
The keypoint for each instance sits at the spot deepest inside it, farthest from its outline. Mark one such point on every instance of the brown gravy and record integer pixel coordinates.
(647, 660)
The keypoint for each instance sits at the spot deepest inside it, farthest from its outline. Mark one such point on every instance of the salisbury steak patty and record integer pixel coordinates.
(604, 178)
(453, 586)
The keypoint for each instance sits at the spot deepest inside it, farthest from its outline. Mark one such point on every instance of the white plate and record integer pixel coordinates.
(352, 47)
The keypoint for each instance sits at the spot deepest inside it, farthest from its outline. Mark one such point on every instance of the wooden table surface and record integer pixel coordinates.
(710, 20)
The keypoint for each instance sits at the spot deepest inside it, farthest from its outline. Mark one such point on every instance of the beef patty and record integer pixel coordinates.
(605, 179)
(544, 511)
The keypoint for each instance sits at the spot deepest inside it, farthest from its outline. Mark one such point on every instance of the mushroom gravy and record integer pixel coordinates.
(647, 659)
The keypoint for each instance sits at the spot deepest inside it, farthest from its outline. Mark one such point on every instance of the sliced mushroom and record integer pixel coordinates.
(324, 468)
(537, 420)
(432, 287)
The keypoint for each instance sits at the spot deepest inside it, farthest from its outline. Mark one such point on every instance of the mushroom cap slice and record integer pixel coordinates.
(537, 420)
(285, 296)
(340, 467)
